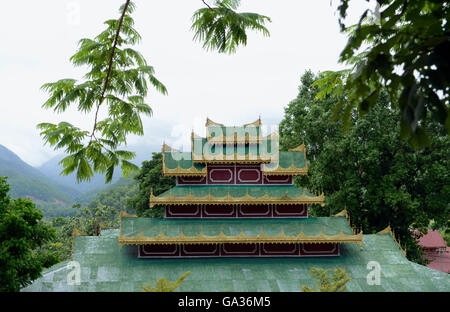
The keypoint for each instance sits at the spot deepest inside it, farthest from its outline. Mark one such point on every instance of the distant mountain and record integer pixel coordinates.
(55, 194)
(26, 181)
(52, 169)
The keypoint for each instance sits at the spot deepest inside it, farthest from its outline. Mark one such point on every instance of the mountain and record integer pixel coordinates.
(51, 169)
(26, 181)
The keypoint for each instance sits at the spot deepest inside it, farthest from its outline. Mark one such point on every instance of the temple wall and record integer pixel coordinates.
(235, 174)
(236, 211)
(238, 250)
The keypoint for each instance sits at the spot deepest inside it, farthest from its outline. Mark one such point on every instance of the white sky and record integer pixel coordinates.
(38, 38)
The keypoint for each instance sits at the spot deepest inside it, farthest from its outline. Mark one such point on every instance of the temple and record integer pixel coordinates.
(235, 196)
(236, 220)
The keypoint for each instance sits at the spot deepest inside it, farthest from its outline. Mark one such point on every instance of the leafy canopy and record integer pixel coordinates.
(150, 177)
(405, 52)
(370, 170)
(221, 28)
(21, 233)
(118, 78)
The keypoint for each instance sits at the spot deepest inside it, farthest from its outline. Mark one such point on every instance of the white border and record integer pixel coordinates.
(220, 181)
(249, 181)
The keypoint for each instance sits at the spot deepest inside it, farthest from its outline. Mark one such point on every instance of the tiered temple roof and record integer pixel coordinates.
(112, 262)
(236, 194)
(209, 231)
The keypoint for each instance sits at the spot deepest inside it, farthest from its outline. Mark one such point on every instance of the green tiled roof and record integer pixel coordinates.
(236, 191)
(219, 133)
(191, 227)
(232, 134)
(236, 194)
(203, 151)
(107, 267)
(288, 163)
(138, 231)
(180, 163)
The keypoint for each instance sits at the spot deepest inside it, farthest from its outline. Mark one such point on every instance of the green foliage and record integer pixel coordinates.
(370, 170)
(163, 285)
(88, 219)
(150, 177)
(119, 77)
(336, 282)
(221, 28)
(21, 233)
(117, 195)
(406, 52)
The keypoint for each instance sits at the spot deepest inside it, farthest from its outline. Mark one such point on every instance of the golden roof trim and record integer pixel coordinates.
(300, 148)
(178, 171)
(342, 213)
(225, 139)
(124, 214)
(247, 199)
(209, 122)
(167, 148)
(256, 123)
(241, 238)
(292, 170)
(388, 230)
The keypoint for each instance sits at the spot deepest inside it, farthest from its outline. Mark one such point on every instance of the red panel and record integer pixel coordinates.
(290, 211)
(248, 175)
(183, 211)
(200, 250)
(240, 249)
(277, 179)
(236, 211)
(252, 211)
(155, 251)
(191, 180)
(219, 211)
(221, 175)
(327, 249)
(280, 249)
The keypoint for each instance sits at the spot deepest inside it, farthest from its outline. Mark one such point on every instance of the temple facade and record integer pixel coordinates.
(243, 224)
(235, 197)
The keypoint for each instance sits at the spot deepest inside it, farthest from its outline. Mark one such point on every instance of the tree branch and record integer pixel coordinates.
(206, 4)
(102, 97)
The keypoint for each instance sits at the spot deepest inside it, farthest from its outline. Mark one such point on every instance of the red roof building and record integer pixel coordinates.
(435, 249)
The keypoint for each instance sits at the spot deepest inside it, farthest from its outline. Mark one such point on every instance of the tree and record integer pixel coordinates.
(406, 47)
(118, 77)
(405, 42)
(370, 170)
(336, 282)
(221, 28)
(150, 177)
(21, 232)
(163, 285)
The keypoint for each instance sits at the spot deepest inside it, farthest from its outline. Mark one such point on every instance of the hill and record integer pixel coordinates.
(26, 181)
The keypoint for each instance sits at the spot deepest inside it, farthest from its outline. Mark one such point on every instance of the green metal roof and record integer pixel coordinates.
(107, 267)
(235, 194)
(266, 150)
(174, 159)
(228, 133)
(190, 227)
(287, 159)
(236, 191)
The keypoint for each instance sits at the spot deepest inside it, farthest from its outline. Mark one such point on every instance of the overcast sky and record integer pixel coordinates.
(38, 38)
